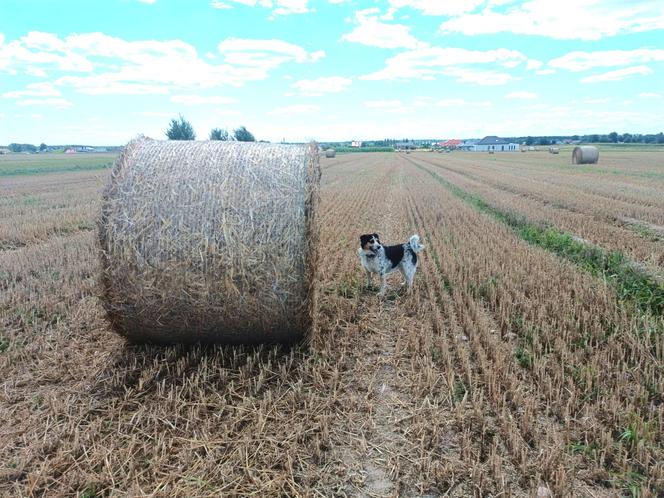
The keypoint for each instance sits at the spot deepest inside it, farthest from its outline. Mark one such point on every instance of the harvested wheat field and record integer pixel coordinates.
(529, 360)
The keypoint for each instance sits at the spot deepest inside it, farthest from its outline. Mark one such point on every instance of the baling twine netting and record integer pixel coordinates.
(210, 241)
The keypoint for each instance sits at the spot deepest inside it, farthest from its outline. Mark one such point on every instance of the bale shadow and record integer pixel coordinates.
(141, 368)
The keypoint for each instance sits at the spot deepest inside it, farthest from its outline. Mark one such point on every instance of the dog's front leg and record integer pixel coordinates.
(383, 284)
(369, 279)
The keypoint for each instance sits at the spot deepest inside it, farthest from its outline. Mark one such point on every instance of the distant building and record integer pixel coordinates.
(70, 151)
(450, 144)
(496, 144)
(468, 145)
(405, 146)
(356, 143)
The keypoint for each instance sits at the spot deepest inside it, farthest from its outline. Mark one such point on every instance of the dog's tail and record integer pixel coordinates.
(415, 243)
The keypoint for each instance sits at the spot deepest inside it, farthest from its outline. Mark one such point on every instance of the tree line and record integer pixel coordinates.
(613, 137)
(181, 129)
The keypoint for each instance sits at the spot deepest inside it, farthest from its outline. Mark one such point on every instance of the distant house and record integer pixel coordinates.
(468, 145)
(70, 150)
(451, 144)
(496, 144)
(356, 143)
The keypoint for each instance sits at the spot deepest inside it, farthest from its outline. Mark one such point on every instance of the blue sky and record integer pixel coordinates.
(100, 72)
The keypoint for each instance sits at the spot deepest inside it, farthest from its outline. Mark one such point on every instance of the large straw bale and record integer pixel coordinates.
(329, 153)
(210, 241)
(585, 154)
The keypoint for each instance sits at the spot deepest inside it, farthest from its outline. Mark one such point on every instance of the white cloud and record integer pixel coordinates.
(596, 101)
(264, 54)
(285, 7)
(618, 74)
(295, 109)
(146, 66)
(154, 114)
(148, 1)
(428, 62)
(562, 19)
(395, 106)
(34, 90)
(478, 77)
(451, 103)
(110, 84)
(217, 4)
(280, 7)
(521, 95)
(321, 86)
(534, 64)
(439, 7)
(374, 33)
(52, 102)
(582, 61)
(463, 103)
(650, 95)
(201, 100)
(40, 51)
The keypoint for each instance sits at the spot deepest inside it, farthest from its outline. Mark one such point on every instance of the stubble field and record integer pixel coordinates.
(529, 356)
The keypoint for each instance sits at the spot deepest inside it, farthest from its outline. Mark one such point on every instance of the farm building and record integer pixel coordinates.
(495, 144)
(449, 144)
(356, 143)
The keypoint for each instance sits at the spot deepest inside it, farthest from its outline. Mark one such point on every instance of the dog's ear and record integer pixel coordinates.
(365, 238)
(375, 235)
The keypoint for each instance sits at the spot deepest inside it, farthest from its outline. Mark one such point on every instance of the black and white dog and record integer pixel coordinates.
(377, 258)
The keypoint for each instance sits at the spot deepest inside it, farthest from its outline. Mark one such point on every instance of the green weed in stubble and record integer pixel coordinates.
(4, 343)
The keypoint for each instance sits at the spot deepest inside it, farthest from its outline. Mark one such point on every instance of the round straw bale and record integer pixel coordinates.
(554, 150)
(330, 153)
(210, 241)
(586, 154)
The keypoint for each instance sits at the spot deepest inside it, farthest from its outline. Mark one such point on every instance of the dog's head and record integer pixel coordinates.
(370, 242)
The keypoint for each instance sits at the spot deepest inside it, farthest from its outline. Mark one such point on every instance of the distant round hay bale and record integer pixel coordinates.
(585, 154)
(330, 153)
(210, 241)
(554, 150)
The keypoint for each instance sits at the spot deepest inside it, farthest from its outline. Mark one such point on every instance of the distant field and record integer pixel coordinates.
(31, 164)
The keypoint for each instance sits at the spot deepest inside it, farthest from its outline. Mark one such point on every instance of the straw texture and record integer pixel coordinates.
(585, 154)
(210, 241)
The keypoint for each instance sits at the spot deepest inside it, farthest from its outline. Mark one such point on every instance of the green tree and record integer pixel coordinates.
(219, 134)
(613, 137)
(42, 147)
(180, 129)
(241, 134)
